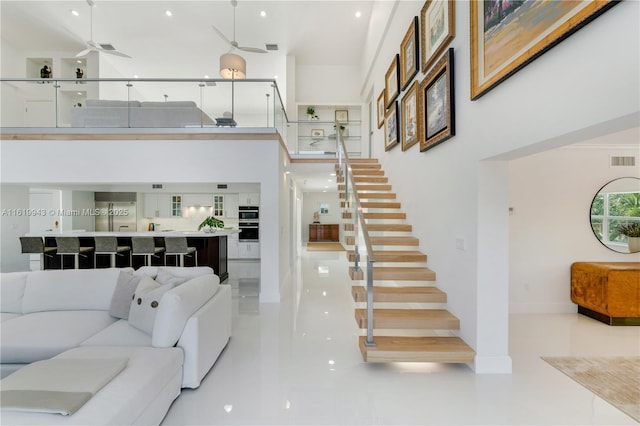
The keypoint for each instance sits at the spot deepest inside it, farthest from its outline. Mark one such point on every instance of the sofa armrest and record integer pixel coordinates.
(205, 336)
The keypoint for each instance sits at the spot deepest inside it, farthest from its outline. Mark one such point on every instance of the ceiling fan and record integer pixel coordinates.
(92, 46)
(234, 43)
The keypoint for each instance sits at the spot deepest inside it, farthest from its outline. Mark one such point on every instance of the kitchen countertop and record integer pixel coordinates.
(218, 233)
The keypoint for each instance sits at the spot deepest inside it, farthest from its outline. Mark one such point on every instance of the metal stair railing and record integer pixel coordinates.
(345, 171)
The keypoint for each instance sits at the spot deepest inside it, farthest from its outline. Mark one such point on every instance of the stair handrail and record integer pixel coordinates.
(344, 167)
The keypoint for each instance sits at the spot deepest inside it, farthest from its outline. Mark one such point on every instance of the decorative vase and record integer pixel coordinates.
(634, 244)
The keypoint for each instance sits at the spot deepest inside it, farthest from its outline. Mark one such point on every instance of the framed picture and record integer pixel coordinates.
(392, 82)
(504, 40)
(410, 125)
(323, 208)
(436, 103)
(342, 115)
(409, 54)
(381, 109)
(391, 127)
(317, 133)
(438, 28)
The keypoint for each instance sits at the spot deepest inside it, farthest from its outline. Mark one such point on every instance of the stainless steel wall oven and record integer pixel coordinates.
(249, 223)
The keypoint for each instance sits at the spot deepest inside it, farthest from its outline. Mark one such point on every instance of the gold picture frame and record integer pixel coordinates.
(381, 109)
(410, 122)
(342, 115)
(391, 127)
(392, 82)
(409, 54)
(317, 133)
(438, 29)
(505, 41)
(436, 106)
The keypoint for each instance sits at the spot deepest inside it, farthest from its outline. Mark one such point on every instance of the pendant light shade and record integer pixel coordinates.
(232, 66)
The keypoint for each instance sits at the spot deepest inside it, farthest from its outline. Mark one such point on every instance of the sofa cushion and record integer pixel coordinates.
(177, 306)
(165, 277)
(12, 291)
(42, 335)
(71, 289)
(172, 104)
(177, 271)
(120, 333)
(130, 398)
(111, 103)
(123, 294)
(144, 305)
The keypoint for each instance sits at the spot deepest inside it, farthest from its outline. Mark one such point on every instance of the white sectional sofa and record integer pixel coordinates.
(178, 321)
(115, 113)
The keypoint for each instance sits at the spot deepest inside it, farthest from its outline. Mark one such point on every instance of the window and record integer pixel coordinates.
(176, 205)
(609, 210)
(218, 205)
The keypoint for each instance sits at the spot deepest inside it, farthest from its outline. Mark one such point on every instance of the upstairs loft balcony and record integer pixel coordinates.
(176, 106)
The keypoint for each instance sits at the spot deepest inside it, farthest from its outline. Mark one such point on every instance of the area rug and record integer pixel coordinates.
(325, 247)
(614, 379)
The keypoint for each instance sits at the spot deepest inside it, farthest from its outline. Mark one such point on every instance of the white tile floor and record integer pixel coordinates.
(298, 363)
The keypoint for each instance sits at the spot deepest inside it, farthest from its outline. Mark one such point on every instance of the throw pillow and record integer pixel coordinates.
(165, 277)
(121, 299)
(145, 302)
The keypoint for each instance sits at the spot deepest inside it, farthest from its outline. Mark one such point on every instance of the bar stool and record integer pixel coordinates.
(178, 246)
(35, 245)
(71, 245)
(109, 245)
(146, 246)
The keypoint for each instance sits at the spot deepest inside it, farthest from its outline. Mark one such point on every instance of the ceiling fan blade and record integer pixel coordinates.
(222, 36)
(252, 49)
(85, 52)
(114, 52)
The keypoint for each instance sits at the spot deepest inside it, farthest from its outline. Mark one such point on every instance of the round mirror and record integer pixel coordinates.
(615, 215)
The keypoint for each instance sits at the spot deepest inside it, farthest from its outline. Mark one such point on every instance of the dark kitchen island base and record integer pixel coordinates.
(211, 251)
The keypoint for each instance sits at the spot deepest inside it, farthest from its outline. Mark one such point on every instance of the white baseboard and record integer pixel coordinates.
(492, 365)
(543, 308)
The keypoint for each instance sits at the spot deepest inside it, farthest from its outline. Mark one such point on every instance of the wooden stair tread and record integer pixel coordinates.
(368, 187)
(397, 227)
(395, 215)
(436, 319)
(394, 241)
(417, 349)
(393, 256)
(376, 195)
(400, 294)
(396, 273)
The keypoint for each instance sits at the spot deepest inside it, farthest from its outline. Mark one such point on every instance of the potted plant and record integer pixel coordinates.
(311, 113)
(632, 232)
(210, 224)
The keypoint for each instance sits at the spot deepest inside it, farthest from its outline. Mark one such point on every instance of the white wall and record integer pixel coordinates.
(549, 228)
(13, 226)
(157, 161)
(311, 203)
(449, 193)
(327, 84)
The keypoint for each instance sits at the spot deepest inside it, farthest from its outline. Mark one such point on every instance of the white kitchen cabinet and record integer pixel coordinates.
(249, 199)
(157, 205)
(196, 200)
(248, 250)
(232, 246)
(231, 203)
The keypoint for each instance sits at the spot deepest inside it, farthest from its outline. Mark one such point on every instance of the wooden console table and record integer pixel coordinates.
(319, 232)
(607, 291)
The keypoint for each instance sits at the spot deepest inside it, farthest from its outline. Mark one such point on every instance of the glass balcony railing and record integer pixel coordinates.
(149, 103)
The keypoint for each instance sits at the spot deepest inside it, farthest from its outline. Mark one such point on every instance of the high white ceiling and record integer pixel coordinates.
(185, 44)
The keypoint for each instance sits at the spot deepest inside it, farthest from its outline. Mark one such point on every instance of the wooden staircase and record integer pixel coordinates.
(409, 319)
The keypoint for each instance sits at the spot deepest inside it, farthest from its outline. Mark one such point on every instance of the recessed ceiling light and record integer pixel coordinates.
(358, 14)
(206, 76)
(79, 61)
(79, 93)
(135, 76)
(263, 13)
(275, 77)
(168, 12)
(75, 13)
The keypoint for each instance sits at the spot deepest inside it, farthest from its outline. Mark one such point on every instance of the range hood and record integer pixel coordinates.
(197, 200)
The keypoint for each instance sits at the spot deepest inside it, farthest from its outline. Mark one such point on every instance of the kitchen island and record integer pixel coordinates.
(211, 249)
